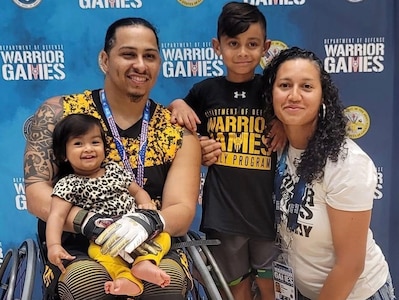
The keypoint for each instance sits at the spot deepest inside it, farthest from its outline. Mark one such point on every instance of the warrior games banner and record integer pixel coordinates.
(49, 48)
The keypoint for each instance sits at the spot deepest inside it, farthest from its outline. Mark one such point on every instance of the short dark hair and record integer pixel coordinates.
(236, 17)
(109, 41)
(71, 126)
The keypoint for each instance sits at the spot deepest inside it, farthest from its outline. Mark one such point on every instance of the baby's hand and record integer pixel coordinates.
(56, 253)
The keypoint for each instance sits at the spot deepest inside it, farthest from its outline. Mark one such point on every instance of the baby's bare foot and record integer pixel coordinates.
(147, 271)
(121, 286)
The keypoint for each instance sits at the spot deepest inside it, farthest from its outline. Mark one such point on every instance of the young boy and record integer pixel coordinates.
(237, 196)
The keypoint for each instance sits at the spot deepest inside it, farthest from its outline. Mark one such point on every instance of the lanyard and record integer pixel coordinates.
(295, 201)
(118, 141)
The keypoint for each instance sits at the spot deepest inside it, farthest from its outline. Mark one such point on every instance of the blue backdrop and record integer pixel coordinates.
(51, 47)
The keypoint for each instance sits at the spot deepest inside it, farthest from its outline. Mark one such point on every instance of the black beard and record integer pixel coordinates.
(135, 98)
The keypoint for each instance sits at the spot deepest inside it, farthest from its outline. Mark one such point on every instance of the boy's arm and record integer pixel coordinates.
(184, 115)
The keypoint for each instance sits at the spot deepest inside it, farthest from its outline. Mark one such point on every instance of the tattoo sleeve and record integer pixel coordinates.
(38, 159)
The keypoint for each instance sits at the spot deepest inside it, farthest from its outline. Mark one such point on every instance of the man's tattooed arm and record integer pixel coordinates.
(39, 167)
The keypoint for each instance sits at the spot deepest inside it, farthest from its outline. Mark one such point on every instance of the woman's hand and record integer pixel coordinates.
(277, 136)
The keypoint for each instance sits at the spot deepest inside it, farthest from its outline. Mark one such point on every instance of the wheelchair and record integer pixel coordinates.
(18, 272)
(204, 268)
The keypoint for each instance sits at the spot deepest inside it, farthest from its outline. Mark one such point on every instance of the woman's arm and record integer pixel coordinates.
(181, 190)
(349, 234)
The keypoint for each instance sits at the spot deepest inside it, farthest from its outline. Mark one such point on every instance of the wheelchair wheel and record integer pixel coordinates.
(17, 272)
(8, 274)
(24, 284)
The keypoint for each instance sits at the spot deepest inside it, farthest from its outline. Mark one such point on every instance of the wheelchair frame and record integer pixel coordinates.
(17, 272)
(206, 266)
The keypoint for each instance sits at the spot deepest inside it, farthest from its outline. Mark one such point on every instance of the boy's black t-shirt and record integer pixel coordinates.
(237, 195)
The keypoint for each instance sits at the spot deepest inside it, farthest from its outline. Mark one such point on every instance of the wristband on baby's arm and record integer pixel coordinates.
(79, 219)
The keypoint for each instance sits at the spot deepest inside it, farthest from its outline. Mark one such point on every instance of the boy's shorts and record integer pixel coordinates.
(238, 256)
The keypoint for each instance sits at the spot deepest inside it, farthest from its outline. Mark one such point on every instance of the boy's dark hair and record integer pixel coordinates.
(69, 127)
(236, 17)
(110, 35)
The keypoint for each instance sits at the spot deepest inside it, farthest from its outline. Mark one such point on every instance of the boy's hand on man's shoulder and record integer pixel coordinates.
(183, 115)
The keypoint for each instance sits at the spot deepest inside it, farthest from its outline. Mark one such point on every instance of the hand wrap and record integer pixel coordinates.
(130, 231)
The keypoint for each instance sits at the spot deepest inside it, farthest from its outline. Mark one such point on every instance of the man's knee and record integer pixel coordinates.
(83, 279)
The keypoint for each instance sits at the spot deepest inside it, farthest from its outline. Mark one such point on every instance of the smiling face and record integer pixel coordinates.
(133, 63)
(86, 152)
(242, 53)
(297, 94)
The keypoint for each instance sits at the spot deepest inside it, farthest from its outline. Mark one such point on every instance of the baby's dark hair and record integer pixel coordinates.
(236, 17)
(109, 41)
(69, 127)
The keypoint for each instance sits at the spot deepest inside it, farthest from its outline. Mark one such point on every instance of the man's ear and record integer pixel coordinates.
(103, 61)
(216, 46)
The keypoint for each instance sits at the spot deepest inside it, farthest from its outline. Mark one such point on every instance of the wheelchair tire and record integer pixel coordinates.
(27, 254)
(8, 274)
(17, 273)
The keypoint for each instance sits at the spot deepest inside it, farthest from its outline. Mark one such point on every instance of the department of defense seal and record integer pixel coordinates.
(358, 121)
(275, 48)
(27, 3)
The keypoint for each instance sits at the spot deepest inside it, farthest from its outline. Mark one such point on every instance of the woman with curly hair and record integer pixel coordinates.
(324, 186)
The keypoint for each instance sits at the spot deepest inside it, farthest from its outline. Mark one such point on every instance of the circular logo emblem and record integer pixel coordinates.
(275, 48)
(27, 126)
(190, 3)
(27, 3)
(358, 121)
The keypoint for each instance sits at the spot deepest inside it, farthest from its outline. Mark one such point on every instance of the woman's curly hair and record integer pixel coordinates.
(329, 136)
